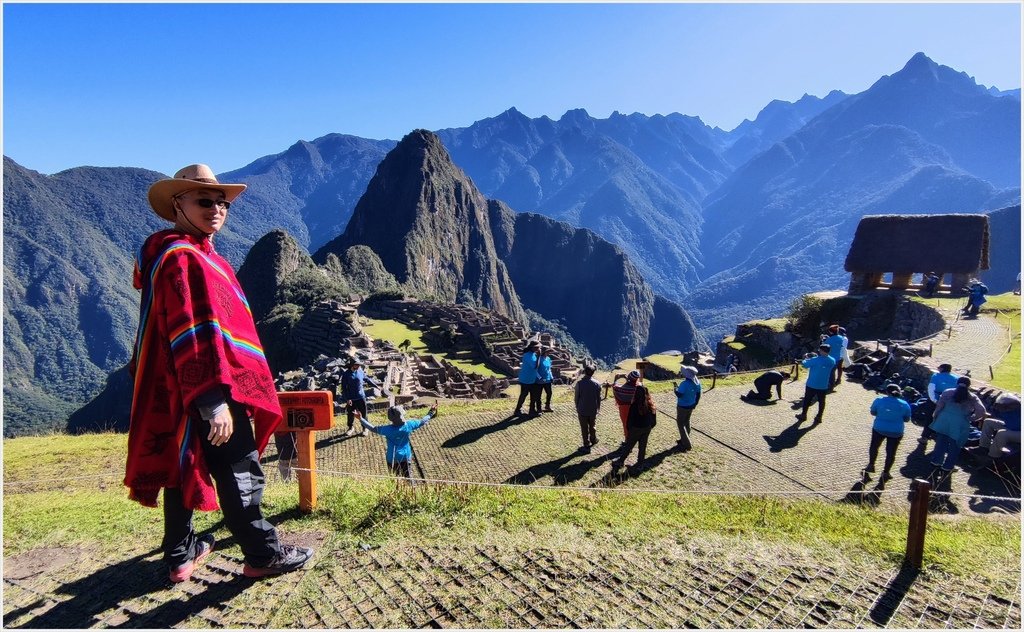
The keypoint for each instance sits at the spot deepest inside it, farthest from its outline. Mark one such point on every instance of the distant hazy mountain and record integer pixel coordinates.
(310, 189)
(635, 180)
(776, 121)
(924, 140)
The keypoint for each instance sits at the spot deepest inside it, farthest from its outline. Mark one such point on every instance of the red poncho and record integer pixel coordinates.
(195, 333)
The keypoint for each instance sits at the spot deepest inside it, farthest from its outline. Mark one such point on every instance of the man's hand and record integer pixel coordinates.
(221, 427)
(433, 410)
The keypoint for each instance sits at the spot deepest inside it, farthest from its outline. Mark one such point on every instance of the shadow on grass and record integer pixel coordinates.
(788, 438)
(895, 592)
(474, 434)
(102, 594)
(616, 476)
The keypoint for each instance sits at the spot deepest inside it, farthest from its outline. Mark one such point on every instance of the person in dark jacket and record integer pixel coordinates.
(763, 386)
(354, 396)
(588, 403)
(641, 420)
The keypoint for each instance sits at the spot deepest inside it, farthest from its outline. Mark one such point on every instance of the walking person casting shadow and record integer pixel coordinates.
(641, 419)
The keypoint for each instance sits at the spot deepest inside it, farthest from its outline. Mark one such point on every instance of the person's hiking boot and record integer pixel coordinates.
(204, 546)
(290, 558)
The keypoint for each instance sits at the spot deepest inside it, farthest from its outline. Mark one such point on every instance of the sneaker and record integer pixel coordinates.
(203, 548)
(865, 474)
(885, 477)
(289, 559)
(549, 410)
(594, 441)
(351, 432)
(364, 433)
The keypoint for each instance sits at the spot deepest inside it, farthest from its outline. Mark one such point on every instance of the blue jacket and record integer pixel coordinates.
(942, 382)
(819, 369)
(399, 447)
(544, 370)
(891, 414)
(688, 393)
(352, 384)
(528, 369)
(837, 343)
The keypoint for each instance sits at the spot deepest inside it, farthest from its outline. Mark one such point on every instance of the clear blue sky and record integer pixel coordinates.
(161, 86)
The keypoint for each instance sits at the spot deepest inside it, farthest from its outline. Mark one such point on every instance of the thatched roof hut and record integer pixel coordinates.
(955, 244)
(920, 243)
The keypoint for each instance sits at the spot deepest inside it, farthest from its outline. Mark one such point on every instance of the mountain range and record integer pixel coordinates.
(729, 225)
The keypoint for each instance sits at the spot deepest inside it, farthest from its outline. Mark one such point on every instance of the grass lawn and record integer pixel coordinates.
(381, 512)
(396, 333)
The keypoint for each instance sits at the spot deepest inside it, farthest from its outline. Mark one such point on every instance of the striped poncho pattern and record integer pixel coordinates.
(196, 333)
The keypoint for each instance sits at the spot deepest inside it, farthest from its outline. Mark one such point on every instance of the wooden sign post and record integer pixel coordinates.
(305, 412)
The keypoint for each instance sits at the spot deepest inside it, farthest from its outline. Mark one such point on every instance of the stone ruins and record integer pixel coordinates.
(331, 333)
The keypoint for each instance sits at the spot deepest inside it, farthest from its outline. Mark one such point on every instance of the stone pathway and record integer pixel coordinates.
(975, 344)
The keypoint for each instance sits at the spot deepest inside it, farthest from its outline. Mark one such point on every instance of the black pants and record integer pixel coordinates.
(546, 388)
(535, 390)
(683, 423)
(357, 404)
(588, 429)
(637, 436)
(524, 390)
(763, 392)
(891, 445)
(837, 373)
(236, 472)
(812, 394)
(400, 468)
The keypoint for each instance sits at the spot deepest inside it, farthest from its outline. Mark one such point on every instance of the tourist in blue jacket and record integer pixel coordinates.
(399, 448)
(941, 381)
(528, 379)
(819, 374)
(891, 415)
(687, 397)
(544, 377)
(837, 351)
(954, 414)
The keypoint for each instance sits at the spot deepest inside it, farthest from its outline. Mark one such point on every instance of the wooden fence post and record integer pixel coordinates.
(920, 495)
(306, 445)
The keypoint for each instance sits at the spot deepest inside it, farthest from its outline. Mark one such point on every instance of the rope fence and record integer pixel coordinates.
(531, 486)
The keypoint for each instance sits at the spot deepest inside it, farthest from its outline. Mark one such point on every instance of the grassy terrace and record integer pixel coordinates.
(92, 513)
(395, 332)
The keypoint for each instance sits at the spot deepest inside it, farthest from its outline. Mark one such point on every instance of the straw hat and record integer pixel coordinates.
(190, 178)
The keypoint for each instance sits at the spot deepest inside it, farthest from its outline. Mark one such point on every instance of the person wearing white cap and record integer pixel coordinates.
(687, 397)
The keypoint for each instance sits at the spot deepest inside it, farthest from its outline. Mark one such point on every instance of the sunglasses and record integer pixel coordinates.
(207, 203)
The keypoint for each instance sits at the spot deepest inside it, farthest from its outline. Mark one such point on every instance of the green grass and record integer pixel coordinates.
(778, 325)
(396, 333)
(381, 512)
(1005, 309)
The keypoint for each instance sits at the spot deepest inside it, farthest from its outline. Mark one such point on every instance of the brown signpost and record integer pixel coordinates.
(305, 412)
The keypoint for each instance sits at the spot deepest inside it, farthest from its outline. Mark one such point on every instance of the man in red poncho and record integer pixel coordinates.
(204, 404)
